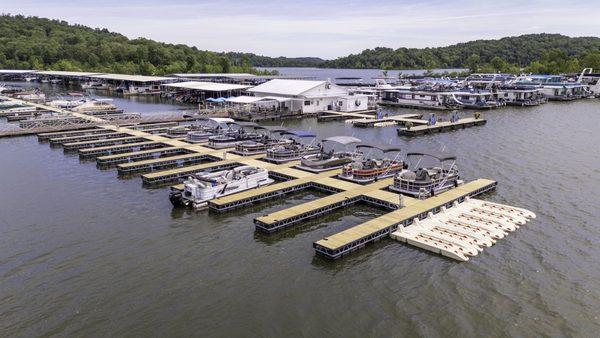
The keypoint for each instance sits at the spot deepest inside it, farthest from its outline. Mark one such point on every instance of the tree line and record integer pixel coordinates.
(537, 53)
(44, 44)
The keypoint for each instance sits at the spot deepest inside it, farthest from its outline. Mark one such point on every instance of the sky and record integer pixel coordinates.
(326, 29)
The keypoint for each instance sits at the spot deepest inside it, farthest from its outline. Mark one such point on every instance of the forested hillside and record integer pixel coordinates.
(37, 43)
(546, 53)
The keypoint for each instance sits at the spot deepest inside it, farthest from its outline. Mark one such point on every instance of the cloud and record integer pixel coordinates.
(320, 28)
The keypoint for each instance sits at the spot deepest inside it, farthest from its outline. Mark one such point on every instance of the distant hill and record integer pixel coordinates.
(282, 61)
(38, 43)
(519, 50)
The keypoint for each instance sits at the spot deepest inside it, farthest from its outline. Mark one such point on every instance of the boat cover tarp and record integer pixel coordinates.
(345, 140)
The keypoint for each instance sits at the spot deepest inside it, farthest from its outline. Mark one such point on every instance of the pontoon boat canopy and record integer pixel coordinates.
(439, 156)
(384, 148)
(345, 140)
(299, 133)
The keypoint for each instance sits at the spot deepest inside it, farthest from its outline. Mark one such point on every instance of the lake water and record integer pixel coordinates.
(83, 253)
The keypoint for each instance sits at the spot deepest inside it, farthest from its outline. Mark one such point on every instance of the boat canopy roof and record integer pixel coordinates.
(384, 148)
(299, 133)
(218, 120)
(438, 155)
(345, 140)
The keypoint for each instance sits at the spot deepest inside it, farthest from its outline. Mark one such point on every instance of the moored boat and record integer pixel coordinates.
(331, 159)
(261, 145)
(203, 187)
(423, 182)
(372, 168)
(295, 149)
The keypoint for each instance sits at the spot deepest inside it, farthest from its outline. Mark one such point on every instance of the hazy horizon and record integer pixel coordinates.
(327, 29)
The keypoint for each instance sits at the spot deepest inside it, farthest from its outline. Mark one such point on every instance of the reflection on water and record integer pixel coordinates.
(83, 253)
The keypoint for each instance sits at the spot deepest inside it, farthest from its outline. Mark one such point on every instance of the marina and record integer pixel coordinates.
(171, 166)
(326, 217)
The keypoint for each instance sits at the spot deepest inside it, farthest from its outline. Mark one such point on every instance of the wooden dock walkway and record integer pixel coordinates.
(441, 127)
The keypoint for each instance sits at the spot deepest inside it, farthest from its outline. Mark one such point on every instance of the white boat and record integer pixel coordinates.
(553, 87)
(201, 188)
(293, 150)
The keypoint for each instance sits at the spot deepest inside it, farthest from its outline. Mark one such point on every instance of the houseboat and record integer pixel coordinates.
(476, 99)
(427, 181)
(591, 81)
(408, 97)
(519, 95)
(553, 87)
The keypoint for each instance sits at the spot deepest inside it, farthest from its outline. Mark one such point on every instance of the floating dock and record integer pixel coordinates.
(441, 127)
(465, 229)
(352, 239)
(141, 151)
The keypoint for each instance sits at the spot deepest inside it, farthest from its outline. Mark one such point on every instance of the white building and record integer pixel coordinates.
(312, 96)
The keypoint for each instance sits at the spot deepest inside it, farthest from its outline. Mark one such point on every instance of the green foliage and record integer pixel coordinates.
(507, 55)
(37, 43)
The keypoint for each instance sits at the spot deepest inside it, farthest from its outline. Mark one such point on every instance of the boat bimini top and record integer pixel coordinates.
(383, 148)
(442, 157)
(345, 140)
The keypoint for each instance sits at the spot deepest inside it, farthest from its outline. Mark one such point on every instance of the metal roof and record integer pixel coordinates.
(66, 73)
(15, 71)
(206, 86)
(214, 75)
(286, 87)
(133, 78)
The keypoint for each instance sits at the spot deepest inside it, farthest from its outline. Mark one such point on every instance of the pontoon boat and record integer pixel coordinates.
(295, 149)
(372, 168)
(424, 182)
(200, 188)
(331, 159)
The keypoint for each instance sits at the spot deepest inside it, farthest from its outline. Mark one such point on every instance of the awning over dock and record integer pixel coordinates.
(66, 73)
